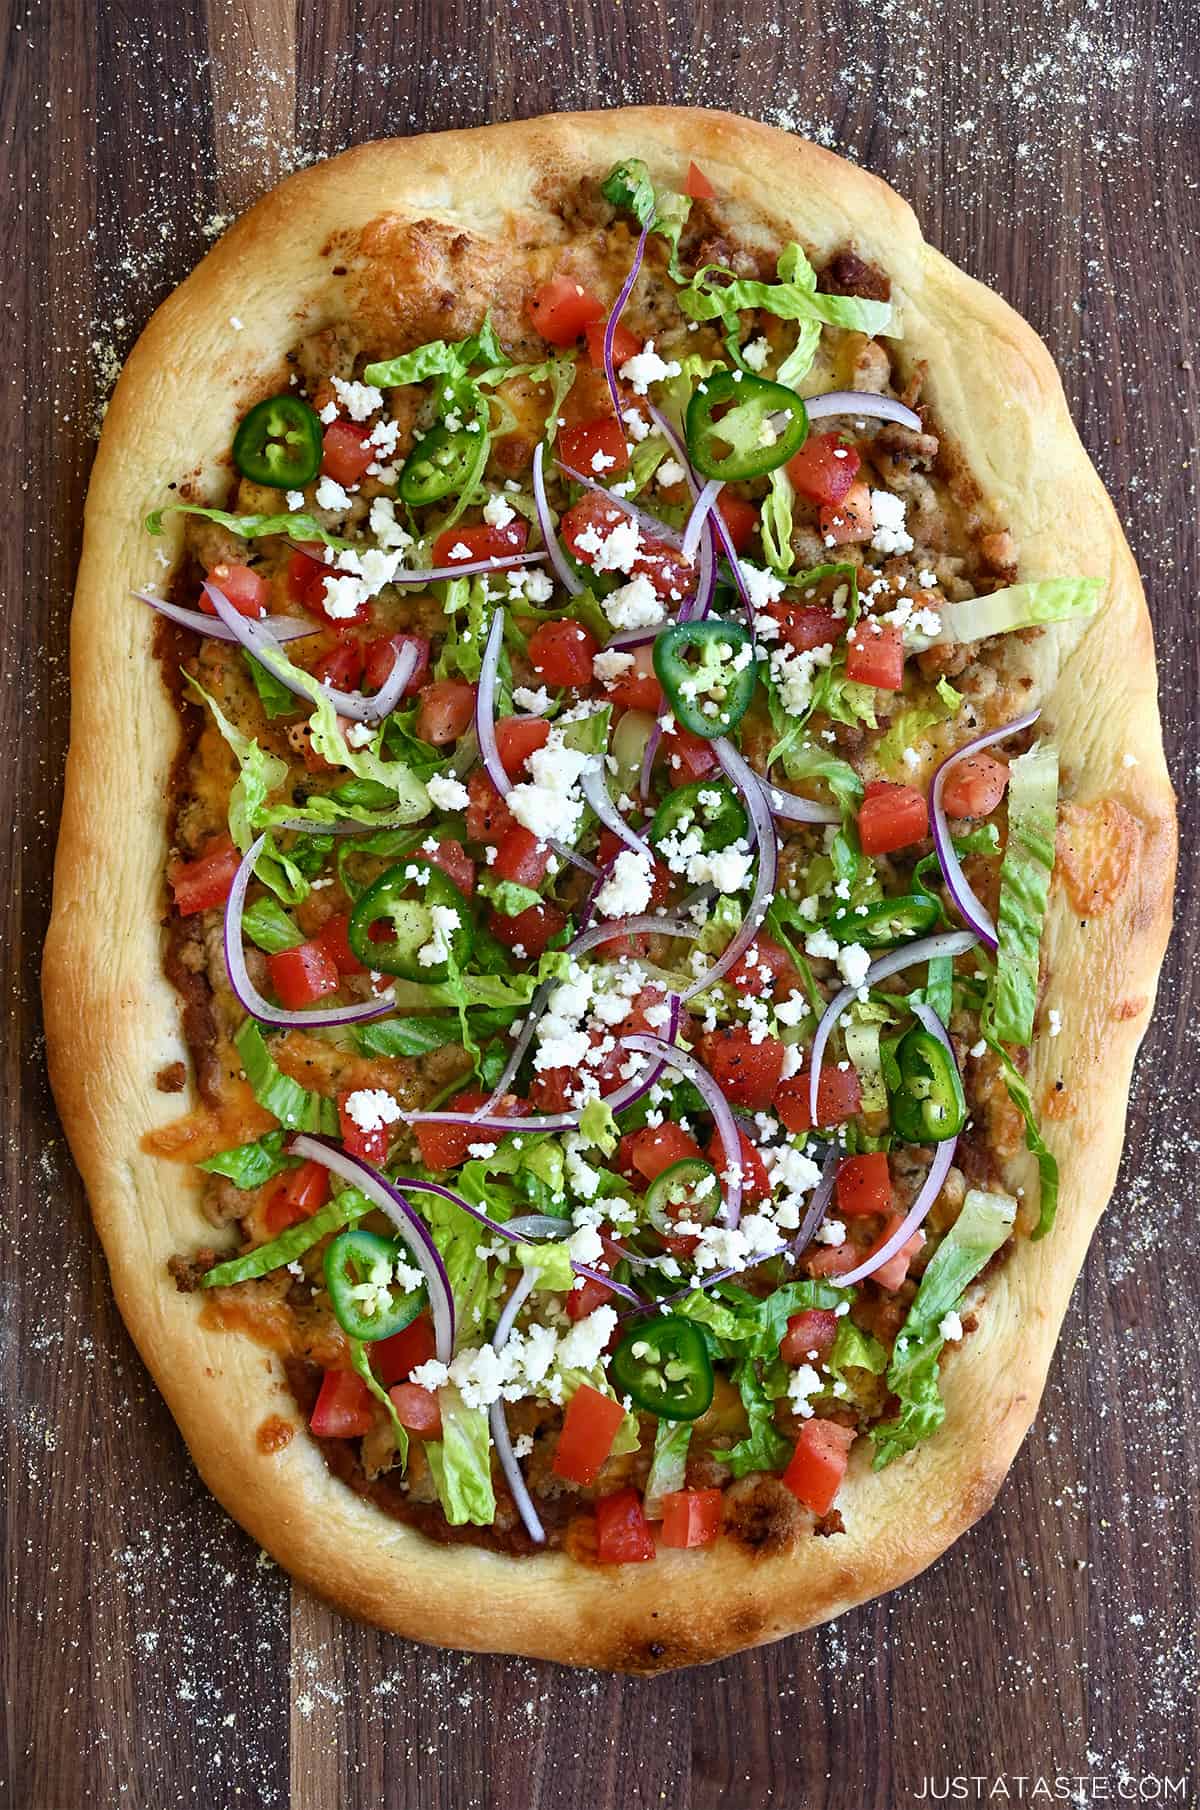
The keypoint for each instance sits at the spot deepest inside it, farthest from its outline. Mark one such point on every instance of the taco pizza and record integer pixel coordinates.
(616, 858)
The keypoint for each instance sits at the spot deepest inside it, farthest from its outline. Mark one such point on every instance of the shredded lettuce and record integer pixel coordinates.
(764, 1448)
(266, 923)
(1024, 886)
(862, 1047)
(275, 698)
(461, 1462)
(668, 1467)
(1047, 1163)
(628, 185)
(1022, 606)
(805, 759)
(298, 526)
(912, 723)
(736, 1317)
(976, 1235)
(524, 1174)
(348, 1206)
(854, 1349)
(550, 1263)
(294, 1106)
(250, 1165)
(775, 521)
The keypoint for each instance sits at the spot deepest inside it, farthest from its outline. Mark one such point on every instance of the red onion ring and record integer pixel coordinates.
(814, 1213)
(595, 790)
(652, 743)
(498, 1420)
(656, 529)
(718, 1106)
(411, 1227)
(247, 994)
(694, 526)
(466, 569)
(743, 589)
(625, 1095)
(259, 641)
(863, 402)
(747, 783)
(966, 902)
(646, 923)
(558, 558)
(284, 628)
(610, 327)
(791, 809)
(926, 949)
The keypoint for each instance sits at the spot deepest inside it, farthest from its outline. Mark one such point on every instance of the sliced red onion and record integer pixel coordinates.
(498, 1228)
(625, 1095)
(814, 1213)
(678, 450)
(644, 924)
(931, 1187)
(247, 994)
(745, 781)
(259, 641)
(866, 403)
(527, 1226)
(411, 1227)
(284, 628)
(739, 579)
(468, 568)
(718, 1106)
(926, 949)
(618, 1288)
(966, 902)
(498, 1421)
(652, 743)
(316, 826)
(610, 329)
(558, 558)
(595, 790)
(537, 1006)
(694, 526)
(650, 524)
(797, 810)
(700, 603)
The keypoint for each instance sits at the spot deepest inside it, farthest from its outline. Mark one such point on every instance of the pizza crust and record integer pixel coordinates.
(113, 1020)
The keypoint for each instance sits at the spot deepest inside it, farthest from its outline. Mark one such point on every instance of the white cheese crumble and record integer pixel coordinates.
(646, 367)
(360, 400)
(447, 793)
(371, 1108)
(890, 536)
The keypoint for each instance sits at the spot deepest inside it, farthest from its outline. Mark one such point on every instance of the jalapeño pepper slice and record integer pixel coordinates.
(685, 1190)
(664, 1366)
(886, 921)
(437, 465)
(708, 672)
(406, 908)
(360, 1274)
(708, 805)
(279, 443)
(928, 1105)
(734, 426)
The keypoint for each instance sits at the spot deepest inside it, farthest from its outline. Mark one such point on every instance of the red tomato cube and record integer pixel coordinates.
(303, 975)
(851, 519)
(875, 654)
(747, 1073)
(465, 546)
(393, 1359)
(517, 737)
(975, 787)
(809, 1334)
(691, 1517)
(343, 1408)
(588, 1430)
(818, 1464)
(626, 345)
(561, 653)
(623, 1534)
(824, 470)
(697, 184)
(839, 1097)
(243, 587)
(562, 309)
(596, 449)
(207, 879)
(532, 930)
(346, 452)
(296, 1196)
(520, 857)
(864, 1185)
(417, 1409)
(445, 710)
(891, 817)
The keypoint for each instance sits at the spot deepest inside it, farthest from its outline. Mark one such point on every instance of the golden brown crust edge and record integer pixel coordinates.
(175, 405)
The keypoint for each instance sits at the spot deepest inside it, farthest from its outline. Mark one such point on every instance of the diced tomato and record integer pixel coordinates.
(589, 1428)
(763, 953)
(746, 1072)
(562, 309)
(371, 1146)
(343, 1408)
(341, 667)
(807, 625)
(891, 1274)
(808, 1334)
(608, 848)
(445, 1146)
(637, 688)
(488, 817)
(445, 710)
(849, 520)
(522, 858)
(296, 1196)
(591, 514)
(245, 589)
(517, 737)
(596, 449)
(691, 1517)
(455, 863)
(824, 470)
(756, 1184)
(586, 1297)
(689, 757)
(832, 1259)
(891, 817)
(655, 1147)
(864, 1185)
(381, 657)
(463, 546)
(532, 930)
(697, 184)
(417, 1409)
(740, 517)
(346, 451)
(669, 573)
(626, 345)
(818, 1464)
(561, 653)
(206, 880)
(303, 975)
(975, 787)
(393, 1359)
(623, 1535)
(875, 654)
(334, 940)
(305, 572)
(839, 1097)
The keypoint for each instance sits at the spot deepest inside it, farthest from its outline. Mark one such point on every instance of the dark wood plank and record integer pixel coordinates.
(147, 1656)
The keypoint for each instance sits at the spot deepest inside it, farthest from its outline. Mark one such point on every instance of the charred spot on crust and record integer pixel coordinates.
(848, 274)
(763, 1514)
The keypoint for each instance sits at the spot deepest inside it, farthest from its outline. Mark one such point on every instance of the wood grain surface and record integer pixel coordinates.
(150, 1655)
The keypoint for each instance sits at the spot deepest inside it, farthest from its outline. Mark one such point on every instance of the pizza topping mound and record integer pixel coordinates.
(613, 842)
